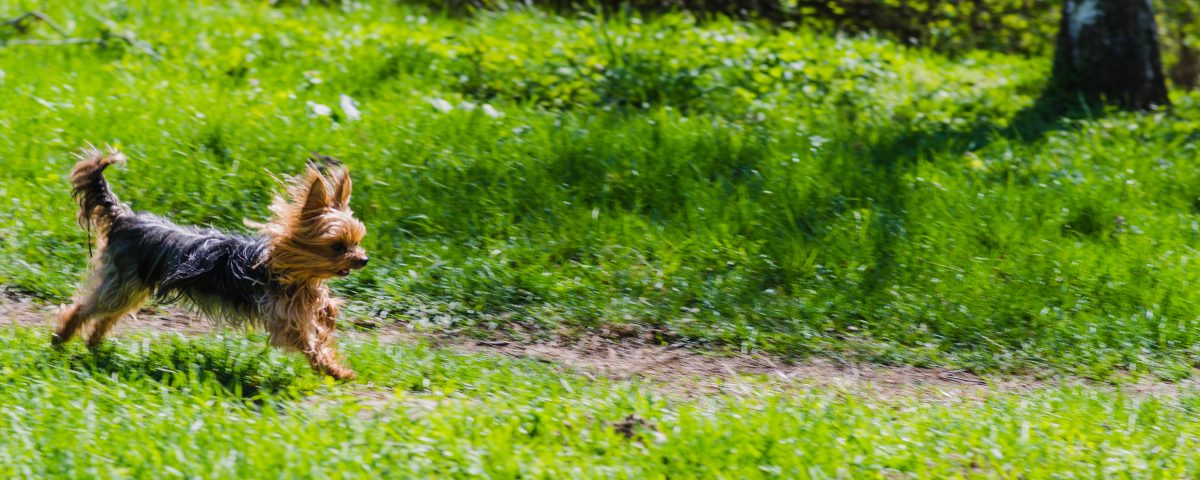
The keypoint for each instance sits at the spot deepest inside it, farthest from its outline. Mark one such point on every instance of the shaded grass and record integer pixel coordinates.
(234, 364)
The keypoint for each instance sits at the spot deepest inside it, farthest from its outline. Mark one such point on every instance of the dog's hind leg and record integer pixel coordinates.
(69, 322)
(109, 296)
(105, 323)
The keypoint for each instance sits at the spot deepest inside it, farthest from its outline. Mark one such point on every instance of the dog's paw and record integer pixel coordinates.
(341, 373)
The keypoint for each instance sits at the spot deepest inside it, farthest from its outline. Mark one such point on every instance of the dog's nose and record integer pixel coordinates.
(362, 262)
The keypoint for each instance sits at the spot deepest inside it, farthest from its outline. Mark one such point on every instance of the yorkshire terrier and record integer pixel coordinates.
(274, 280)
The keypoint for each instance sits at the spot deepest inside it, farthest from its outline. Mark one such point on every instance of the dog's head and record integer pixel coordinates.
(313, 235)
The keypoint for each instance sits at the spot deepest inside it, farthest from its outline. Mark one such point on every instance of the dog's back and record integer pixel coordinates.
(220, 273)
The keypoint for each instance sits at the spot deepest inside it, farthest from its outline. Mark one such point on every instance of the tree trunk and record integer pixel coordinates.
(1186, 73)
(1108, 51)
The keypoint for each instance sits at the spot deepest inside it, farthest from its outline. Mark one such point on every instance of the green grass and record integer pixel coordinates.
(167, 408)
(732, 185)
(723, 183)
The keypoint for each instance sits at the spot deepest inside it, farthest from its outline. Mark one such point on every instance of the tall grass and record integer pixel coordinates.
(719, 182)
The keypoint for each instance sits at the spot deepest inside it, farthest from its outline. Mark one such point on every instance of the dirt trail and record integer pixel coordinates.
(691, 373)
(673, 370)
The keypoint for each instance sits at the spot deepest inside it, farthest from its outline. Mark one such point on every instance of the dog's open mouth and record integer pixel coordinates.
(343, 273)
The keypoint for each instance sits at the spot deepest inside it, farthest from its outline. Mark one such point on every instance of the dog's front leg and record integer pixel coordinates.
(323, 358)
(314, 338)
(321, 353)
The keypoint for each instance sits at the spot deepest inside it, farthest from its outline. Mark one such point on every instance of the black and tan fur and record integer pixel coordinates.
(274, 280)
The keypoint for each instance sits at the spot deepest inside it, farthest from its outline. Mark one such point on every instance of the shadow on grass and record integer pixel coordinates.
(238, 368)
(895, 157)
(1049, 113)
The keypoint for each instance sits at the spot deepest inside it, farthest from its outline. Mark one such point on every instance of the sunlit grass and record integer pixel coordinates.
(421, 412)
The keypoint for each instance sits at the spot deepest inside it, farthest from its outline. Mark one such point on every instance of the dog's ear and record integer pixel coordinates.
(316, 200)
(341, 190)
(338, 175)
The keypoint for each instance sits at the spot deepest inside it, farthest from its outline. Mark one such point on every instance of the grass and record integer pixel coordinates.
(731, 185)
(422, 412)
(723, 183)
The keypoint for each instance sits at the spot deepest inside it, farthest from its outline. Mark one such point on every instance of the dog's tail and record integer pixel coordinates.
(98, 205)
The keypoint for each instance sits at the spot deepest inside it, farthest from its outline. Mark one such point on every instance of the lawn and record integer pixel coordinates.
(727, 186)
(226, 407)
(720, 183)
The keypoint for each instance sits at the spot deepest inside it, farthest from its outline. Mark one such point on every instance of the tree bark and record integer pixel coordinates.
(1108, 51)
(1185, 74)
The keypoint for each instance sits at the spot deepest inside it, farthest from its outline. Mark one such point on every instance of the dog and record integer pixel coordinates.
(275, 280)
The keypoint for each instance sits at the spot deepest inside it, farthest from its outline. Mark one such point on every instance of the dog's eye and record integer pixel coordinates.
(339, 248)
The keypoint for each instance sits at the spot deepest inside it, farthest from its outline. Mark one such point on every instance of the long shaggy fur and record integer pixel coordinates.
(98, 206)
(274, 280)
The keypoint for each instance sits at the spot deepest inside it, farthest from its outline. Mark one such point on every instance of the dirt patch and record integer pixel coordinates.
(21, 310)
(368, 403)
(690, 373)
(24, 311)
(633, 427)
